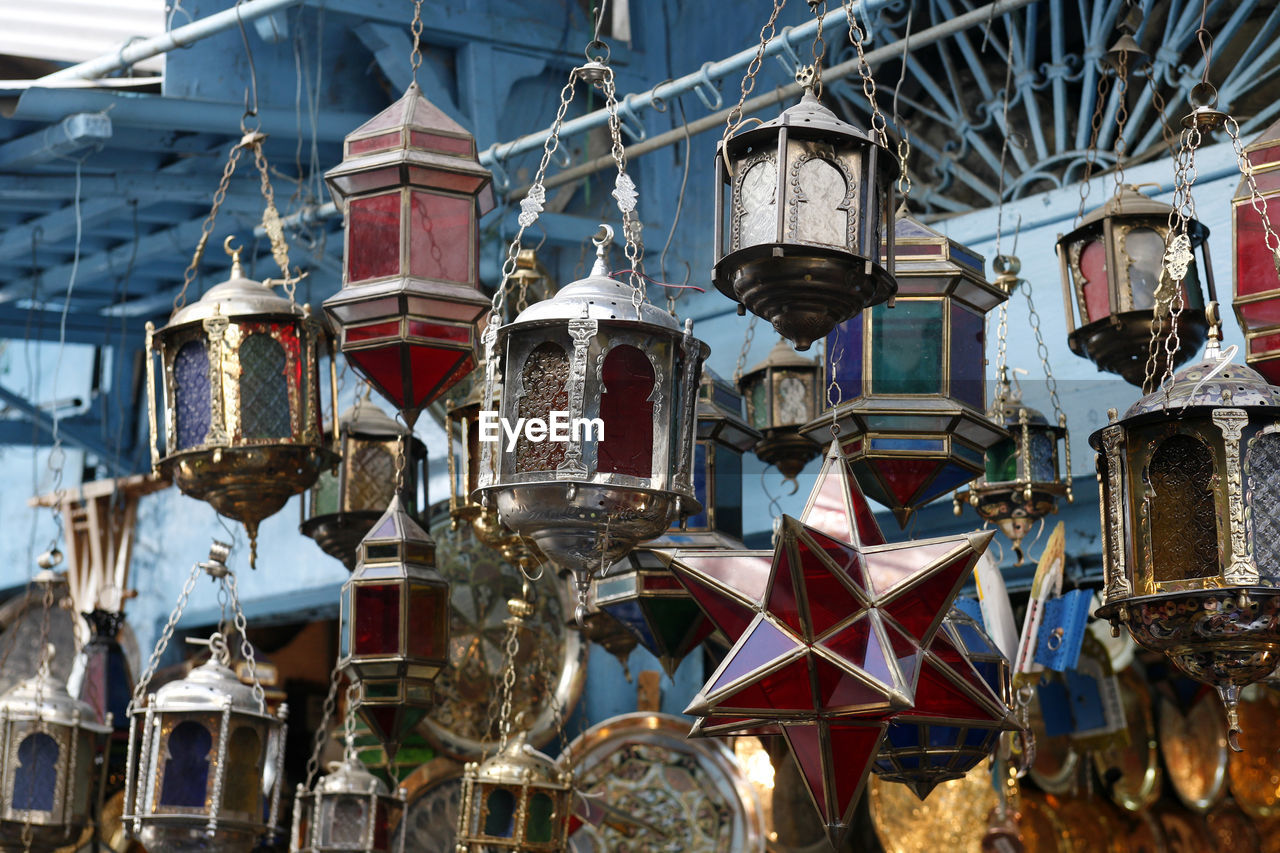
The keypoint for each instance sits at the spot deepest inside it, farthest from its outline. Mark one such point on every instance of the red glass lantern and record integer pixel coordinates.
(1257, 300)
(413, 193)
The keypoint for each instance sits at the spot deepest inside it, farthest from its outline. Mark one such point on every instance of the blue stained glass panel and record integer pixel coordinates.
(728, 491)
(1042, 467)
(700, 481)
(37, 774)
(186, 769)
(191, 390)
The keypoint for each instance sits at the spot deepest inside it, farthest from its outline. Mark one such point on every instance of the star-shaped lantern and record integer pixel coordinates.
(834, 632)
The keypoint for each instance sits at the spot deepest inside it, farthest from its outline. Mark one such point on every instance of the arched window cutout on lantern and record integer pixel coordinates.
(542, 381)
(1092, 264)
(820, 210)
(540, 822)
(37, 774)
(627, 412)
(1184, 530)
(372, 480)
(186, 766)
(264, 388)
(500, 814)
(1262, 465)
(244, 772)
(194, 401)
(757, 213)
(348, 824)
(1145, 250)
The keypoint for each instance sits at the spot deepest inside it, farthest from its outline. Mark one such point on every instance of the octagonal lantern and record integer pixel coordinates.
(412, 192)
(346, 500)
(783, 393)
(519, 799)
(206, 761)
(1257, 266)
(394, 626)
(1190, 485)
(350, 811)
(1112, 265)
(804, 221)
(49, 780)
(606, 390)
(912, 404)
(240, 401)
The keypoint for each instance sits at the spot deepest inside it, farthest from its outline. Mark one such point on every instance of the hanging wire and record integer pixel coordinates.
(904, 134)
(672, 296)
(251, 92)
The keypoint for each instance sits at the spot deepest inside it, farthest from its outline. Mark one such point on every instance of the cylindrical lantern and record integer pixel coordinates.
(344, 503)
(49, 780)
(394, 626)
(350, 810)
(413, 193)
(517, 800)
(1257, 267)
(206, 761)
(102, 678)
(640, 592)
(783, 393)
(1112, 264)
(605, 387)
(1190, 482)
(911, 412)
(804, 221)
(240, 401)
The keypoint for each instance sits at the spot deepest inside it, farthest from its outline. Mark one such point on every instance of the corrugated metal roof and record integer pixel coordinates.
(76, 30)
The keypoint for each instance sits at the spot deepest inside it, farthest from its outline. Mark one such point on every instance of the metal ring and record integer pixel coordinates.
(598, 57)
(1056, 635)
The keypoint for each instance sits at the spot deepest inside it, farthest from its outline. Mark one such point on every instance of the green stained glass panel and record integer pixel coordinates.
(1002, 462)
(907, 341)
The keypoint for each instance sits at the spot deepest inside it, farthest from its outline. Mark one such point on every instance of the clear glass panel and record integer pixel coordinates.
(756, 209)
(186, 766)
(191, 388)
(793, 397)
(264, 388)
(543, 378)
(1145, 250)
(1184, 531)
(821, 215)
(347, 822)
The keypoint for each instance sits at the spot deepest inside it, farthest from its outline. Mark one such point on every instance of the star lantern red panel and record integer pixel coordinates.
(831, 631)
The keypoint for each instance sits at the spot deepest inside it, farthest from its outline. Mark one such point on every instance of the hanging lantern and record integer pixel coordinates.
(640, 592)
(394, 626)
(462, 426)
(350, 810)
(1112, 265)
(804, 228)
(957, 722)
(50, 744)
(783, 394)
(620, 378)
(910, 377)
(344, 503)
(517, 800)
(1257, 265)
(101, 678)
(240, 400)
(1189, 479)
(412, 193)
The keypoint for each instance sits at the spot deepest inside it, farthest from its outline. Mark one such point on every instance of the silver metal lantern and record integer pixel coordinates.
(349, 810)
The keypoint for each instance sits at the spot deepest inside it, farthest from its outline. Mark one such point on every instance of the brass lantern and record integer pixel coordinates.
(50, 743)
(911, 412)
(1190, 485)
(240, 401)
(1112, 265)
(640, 592)
(344, 503)
(349, 810)
(206, 761)
(1257, 266)
(394, 626)
(804, 221)
(617, 379)
(783, 393)
(412, 192)
(519, 799)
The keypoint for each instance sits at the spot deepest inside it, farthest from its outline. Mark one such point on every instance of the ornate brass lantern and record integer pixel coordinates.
(413, 194)
(617, 377)
(394, 626)
(804, 228)
(240, 401)
(1257, 265)
(640, 592)
(783, 394)
(517, 800)
(912, 399)
(1112, 265)
(344, 503)
(50, 743)
(349, 810)
(1190, 484)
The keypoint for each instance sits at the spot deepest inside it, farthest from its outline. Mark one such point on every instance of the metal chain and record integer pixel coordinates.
(746, 349)
(857, 37)
(767, 32)
(1091, 152)
(271, 221)
(835, 394)
(1122, 115)
(415, 56)
(166, 635)
(1255, 197)
(246, 648)
(1043, 351)
(819, 9)
(349, 725)
(625, 193)
(321, 735)
(1001, 401)
(206, 229)
(511, 649)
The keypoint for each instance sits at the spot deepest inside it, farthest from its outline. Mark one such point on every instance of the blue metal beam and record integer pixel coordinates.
(42, 324)
(71, 431)
(73, 135)
(124, 186)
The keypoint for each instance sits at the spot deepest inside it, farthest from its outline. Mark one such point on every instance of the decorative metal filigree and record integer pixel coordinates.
(1241, 572)
(1184, 526)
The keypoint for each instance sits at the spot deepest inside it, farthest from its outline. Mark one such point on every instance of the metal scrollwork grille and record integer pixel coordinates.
(1184, 530)
(371, 478)
(1262, 465)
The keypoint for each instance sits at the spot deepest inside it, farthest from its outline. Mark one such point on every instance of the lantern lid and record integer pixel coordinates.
(810, 118)
(783, 356)
(350, 776)
(367, 419)
(1215, 380)
(238, 296)
(209, 687)
(397, 539)
(597, 297)
(47, 699)
(518, 763)
(1131, 201)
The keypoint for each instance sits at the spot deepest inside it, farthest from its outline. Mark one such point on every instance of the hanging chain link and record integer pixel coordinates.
(835, 395)
(166, 635)
(767, 32)
(349, 726)
(322, 733)
(272, 225)
(1091, 152)
(510, 650)
(1000, 403)
(206, 228)
(415, 27)
(1256, 201)
(246, 648)
(1052, 384)
(1122, 115)
(857, 36)
(746, 349)
(819, 9)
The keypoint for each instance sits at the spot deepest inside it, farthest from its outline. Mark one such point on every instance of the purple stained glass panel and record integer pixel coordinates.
(191, 390)
(763, 645)
(968, 352)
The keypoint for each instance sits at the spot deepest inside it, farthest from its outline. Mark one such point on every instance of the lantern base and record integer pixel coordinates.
(247, 484)
(194, 838)
(787, 450)
(514, 549)
(804, 291)
(1006, 506)
(338, 534)
(1120, 343)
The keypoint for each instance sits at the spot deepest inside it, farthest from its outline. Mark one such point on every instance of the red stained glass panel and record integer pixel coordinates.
(829, 600)
(886, 569)
(729, 616)
(440, 237)
(373, 237)
(377, 625)
(381, 142)
(827, 511)
(435, 371)
(782, 596)
(441, 143)
(1093, 267)
(627, 412)
(905, 477)
(919, 609)
(786, 689)
(842, 690)
(439, 331)
(937, 695)
(383, 366)
(806, 747)
(853, 748)
(428, 617)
